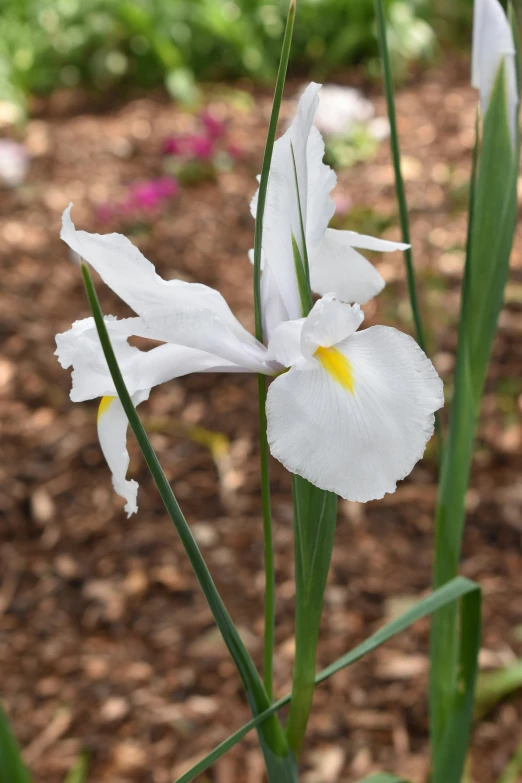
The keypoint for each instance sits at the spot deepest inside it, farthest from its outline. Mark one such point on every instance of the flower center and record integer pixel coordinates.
(337, 366)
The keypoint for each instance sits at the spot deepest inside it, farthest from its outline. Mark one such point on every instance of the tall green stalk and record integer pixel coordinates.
(280, 764)
(315, 516)
(399, 188)
(262, 390)
(399, 182)
(493, 200)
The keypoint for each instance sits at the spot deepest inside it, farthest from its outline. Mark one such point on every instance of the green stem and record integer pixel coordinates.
(258, 318)
(268, 653)
(400, 190)
(279, 760)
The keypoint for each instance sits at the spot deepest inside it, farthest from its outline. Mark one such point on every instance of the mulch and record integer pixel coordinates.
(106, 643)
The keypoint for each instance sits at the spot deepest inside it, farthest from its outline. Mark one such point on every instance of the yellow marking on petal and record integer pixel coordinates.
(105, 404)
(337, 366)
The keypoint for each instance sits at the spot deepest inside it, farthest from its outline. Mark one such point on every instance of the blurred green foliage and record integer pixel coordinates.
(47, 44)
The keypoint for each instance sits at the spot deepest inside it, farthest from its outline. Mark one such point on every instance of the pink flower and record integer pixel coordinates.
(214, 127)
(201, 147)
(172, 145)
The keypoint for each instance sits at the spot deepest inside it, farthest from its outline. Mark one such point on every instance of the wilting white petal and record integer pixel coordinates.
(492, 45)
(112, 434)
(124, 269)
(203, 330)
(360, 420)
(329, 322)
(285, 345)
(80, 348)
(336, 266)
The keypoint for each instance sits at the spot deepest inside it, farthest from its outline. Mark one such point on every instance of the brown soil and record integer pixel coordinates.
(105, 639)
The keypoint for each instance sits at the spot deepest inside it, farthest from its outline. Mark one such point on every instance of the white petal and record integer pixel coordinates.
(203, 330)
(357, 443)
(282, 218)
(365, 242)
(492, 45)
(337, 267)
(273, 308)
(124, 269)
(321, 180)
(80, 348)
(112, 433)
(328, 323)
(285, 344)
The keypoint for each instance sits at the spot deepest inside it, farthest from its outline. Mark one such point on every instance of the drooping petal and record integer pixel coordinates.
(112, 434)
(329, 322)
(365, 242)
(126, 270)
(493, 45)
(205, 331)
(360, 420)
(337, 267)
(80, 348)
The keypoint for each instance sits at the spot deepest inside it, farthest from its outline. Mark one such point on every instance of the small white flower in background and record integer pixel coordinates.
(14, 161)
(340, 108)
(493, 46)
(298, 201)
(352, 414)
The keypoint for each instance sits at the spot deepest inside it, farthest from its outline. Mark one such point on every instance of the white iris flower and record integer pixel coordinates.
(349, 411)
(493, 46)
(298, 205)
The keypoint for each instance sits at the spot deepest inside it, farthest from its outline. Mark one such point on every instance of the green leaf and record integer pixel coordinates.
(492, 687)
(511, 773)
(491, 230)
(281, 766)
(450, 592)
(12, 768)
(79, 770)
(383, 777)
(449, 755)
(315, 514)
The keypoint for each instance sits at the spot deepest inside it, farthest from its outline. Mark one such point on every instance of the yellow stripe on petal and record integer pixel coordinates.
(337, 366)
(105, 404)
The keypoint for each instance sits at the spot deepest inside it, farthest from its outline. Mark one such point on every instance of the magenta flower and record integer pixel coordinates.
(214, 127)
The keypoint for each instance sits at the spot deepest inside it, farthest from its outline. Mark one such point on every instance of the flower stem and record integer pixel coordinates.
(263, 443)
(280, 763)
(268, 653)
(399, 189)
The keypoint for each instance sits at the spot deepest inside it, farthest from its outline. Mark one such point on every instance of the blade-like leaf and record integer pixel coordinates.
(513, 770)
(280, 763)
(12, 768)
(452, 591)
(315, 514)
(383, 777)
(79, 770)
(492, 687)
(492, 225)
